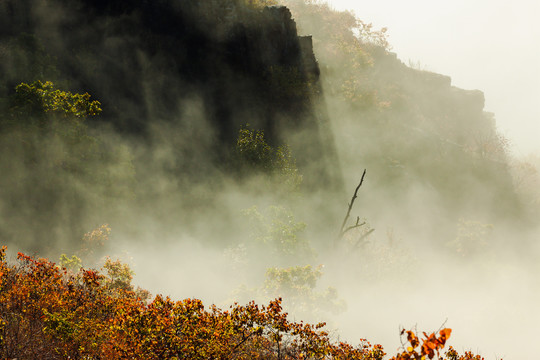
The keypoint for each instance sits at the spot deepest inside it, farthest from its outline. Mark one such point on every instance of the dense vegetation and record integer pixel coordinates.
(54, 313)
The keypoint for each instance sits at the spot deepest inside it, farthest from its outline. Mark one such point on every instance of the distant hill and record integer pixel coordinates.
(418, 136)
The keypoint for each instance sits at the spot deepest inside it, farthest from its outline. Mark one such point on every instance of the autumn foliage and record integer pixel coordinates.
(55, 313)
(430, 347)
(52, 312)
(431, 344)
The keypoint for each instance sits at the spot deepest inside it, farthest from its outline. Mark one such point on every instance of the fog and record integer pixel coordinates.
(486, 45)
(488, 300)
(451, 215)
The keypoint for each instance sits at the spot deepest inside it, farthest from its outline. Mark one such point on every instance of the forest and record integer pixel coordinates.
(250, 179)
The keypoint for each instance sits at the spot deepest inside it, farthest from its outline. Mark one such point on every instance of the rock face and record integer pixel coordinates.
(147, 60)
(311, 66)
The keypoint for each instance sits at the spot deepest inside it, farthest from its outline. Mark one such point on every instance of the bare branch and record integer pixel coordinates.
(363, 237)
(342, 230)
(353, 227)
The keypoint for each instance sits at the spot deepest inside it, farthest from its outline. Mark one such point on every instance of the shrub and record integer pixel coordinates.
(47, 311)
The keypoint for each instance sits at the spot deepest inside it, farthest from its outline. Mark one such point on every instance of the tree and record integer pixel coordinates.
(253, 155)
(48, 312)
(39, 99)
(59, 168)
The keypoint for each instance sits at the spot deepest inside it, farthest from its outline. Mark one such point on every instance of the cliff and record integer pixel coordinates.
(178, 79)
(146, 60)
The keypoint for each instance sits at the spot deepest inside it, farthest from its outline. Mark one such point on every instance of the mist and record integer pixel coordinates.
(481, 45)
(229, 147)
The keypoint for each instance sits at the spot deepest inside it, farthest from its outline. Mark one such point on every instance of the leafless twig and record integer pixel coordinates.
(354, 226)
(344, 229)
(363, 237)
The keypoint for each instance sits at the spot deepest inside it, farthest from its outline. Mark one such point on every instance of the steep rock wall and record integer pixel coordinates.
(147, 60)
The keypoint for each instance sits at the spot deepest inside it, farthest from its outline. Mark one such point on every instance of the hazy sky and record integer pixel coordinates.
(493, 46)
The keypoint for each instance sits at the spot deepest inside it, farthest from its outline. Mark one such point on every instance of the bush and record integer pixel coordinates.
(253, 155)
(47, 311)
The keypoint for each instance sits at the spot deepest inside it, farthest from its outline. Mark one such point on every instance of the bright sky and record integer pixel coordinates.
(490, 45)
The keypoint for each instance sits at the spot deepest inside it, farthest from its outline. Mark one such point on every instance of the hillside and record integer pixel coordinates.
(411, 128)
(191, 74)
(212, 146)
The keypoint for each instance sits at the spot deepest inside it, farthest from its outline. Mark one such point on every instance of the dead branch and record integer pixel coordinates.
(354, 226)
(343, 230)
(362, 238)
